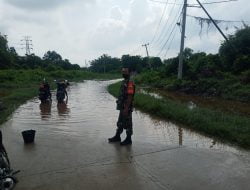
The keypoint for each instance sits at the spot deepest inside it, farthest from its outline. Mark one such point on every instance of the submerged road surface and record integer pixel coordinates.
(71, 151)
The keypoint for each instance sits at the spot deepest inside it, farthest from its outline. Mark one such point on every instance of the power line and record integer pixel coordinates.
(193, 4)
(165, 26)
(157, 29)
(217, 2)
(174, 22)
(224, 36)
(184, 15)
(135, 51)
(217, 20)
(170, 43)
(165, 2)
(167, 39)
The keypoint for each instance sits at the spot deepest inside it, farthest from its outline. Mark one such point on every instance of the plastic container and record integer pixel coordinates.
(28, 136)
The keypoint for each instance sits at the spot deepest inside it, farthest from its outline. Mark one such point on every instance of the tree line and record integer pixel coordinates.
(9, 59)
(233, 57)
(106, 63)
(225, 74)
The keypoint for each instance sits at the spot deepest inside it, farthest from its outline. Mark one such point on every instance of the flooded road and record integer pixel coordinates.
(71, 149)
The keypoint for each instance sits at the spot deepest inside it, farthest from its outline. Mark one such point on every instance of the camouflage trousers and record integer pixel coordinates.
(125, 122)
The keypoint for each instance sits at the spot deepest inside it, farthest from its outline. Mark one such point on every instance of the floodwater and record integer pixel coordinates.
(75, 134)
(230, 106)
(91, 106)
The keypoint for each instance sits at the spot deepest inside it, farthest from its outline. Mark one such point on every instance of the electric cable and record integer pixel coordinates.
(158, 26)
(164, 27)
(167, 40)
(174, 23)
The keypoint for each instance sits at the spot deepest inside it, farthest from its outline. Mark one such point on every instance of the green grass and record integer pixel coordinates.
(225, 86)
(18, 86)
(227, 127)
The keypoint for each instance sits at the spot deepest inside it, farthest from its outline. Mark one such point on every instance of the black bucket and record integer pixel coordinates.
(29, 136)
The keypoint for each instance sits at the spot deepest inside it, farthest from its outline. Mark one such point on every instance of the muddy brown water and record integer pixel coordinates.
(230, 106)
(90, 111)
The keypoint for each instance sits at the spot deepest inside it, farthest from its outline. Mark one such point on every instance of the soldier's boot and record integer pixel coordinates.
(127, 141)
(116, 138)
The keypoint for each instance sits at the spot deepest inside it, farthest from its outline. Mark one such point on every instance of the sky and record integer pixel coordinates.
(83, 30)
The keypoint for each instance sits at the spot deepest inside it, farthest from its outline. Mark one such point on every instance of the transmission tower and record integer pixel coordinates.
(28, 44)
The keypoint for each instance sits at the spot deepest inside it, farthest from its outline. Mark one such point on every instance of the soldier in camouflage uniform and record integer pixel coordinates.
(125, 106)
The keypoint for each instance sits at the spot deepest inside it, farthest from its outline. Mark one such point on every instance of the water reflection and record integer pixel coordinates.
(45, 110)
(213, 144)
(180, 132)
(164, 132)
(62, 109)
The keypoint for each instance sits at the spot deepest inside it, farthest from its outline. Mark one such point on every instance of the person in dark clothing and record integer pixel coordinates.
(47, 88)
(61, 89)
(125, 106)
(44, 91)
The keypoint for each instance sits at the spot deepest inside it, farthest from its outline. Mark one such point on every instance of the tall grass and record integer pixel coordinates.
(227, 127)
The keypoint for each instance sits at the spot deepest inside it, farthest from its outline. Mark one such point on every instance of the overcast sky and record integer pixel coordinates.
(82, 30)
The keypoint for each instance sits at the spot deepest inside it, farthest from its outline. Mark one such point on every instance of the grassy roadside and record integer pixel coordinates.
(225, 86)
(227, 127)
(18, 86)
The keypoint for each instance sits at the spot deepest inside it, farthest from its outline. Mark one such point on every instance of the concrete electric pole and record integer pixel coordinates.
(184, 16)
(146, 46)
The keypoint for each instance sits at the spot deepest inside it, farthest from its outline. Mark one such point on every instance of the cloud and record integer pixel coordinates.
(116, 13)
(85, 29)
(108, 35)
(41, 4)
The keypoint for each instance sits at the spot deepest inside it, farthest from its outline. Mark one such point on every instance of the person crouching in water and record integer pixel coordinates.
(125, 106)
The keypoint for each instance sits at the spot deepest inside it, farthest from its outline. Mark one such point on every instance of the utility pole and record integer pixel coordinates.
(216, 25)
(146, 46)
(28, 44)
(184, 16)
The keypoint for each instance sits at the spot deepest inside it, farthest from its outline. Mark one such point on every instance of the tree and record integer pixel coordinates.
(237, 46)
(3, 43)
(32, 61)
(132, 62)
(105, 63)
(6, 60)
(155, 62)
(52, 56)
